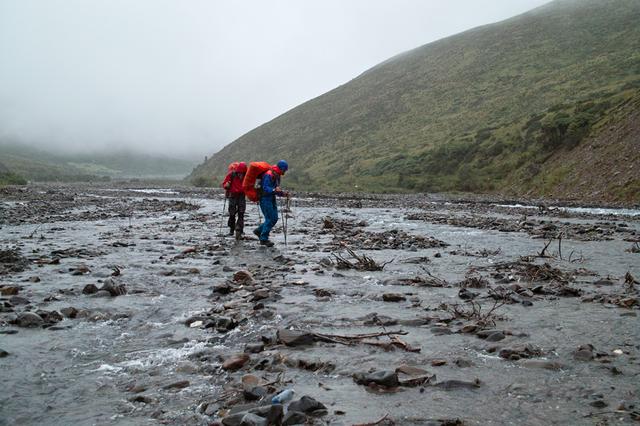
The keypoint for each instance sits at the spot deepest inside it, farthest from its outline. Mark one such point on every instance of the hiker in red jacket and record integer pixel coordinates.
(232, 185)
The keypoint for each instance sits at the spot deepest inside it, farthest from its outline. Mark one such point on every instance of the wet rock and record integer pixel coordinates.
(114, 288)
(224, 288)
(393, 297)
(3, 353)
(243, 277)
(496, 336)
(387, 378)
(598, 404)
(254, 348)
(137, 389)
(463, 363)
(255, 393)
(19, 300)
(321, 292)
(29, 319)
(9, 290)
(235, 362)
(260, 295)
(546, 365)
(449, 385)
(295, 338)
(141, 398)
(306, 405)
(251, 419)
(50, 316)
(466, 294)
(518, 352)
(272, 414)
(584, 353)
(69, 312)
(440, 330)
(438, 362)
(294, 418)
(90, 289)
(178, 385)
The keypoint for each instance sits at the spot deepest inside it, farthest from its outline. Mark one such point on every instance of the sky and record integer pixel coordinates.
(186, 77)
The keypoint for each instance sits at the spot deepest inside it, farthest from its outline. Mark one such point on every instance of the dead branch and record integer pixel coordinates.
(362, 262)
(385, 417)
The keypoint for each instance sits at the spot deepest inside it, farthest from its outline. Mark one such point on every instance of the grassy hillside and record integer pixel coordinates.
(40, 165)
(482, 111)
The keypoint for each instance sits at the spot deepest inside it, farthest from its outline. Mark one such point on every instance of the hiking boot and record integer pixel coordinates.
(238, 235)
(256, 232)
(266, 243)
(231, 231)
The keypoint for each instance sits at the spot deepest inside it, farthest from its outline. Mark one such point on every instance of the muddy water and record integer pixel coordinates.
(85, 370)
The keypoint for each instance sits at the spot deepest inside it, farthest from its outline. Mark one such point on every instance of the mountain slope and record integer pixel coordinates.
(40, 165)
(478, 111)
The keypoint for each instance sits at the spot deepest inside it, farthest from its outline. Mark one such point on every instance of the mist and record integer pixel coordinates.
(186, 78)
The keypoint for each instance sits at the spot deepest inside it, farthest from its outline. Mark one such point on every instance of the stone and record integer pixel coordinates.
(496, 336)
(294, 418)
(29, 319)
(50, 316)
(393, 297)
(438, 362)
(235, 362)
(584, 353)
(463, 363)
(9, 290)
(3, 353)
(260, 295)
(307, 405)
(254, 348)
(255, 393)
(19, 300)
(385, 378)
(90, 289)
(448, 385)
(598, 404)
(546, 365)
(294, 337)
(141, 398)
(243, 277)
(114, 288)
(178, 385)
(251, 419)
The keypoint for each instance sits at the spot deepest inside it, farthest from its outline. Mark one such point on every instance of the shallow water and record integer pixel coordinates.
(82, 374)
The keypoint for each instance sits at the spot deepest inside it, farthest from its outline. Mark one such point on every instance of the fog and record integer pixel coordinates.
(187, 77)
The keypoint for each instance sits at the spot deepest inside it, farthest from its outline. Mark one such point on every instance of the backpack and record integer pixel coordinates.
(254, 172)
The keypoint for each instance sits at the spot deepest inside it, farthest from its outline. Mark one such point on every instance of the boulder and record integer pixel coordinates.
(306, 405)
(29, 319)
(235, 362)
(387, 378)
(295, 337)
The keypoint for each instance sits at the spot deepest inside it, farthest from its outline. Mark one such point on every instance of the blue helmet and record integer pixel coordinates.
(283, 165)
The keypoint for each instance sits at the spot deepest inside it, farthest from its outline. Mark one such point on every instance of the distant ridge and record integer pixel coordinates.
(492, 109)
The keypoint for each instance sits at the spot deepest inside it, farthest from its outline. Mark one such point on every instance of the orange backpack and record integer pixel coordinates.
(255, 170)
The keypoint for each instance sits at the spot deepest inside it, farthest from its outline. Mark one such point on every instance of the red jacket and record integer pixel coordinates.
(232, 183)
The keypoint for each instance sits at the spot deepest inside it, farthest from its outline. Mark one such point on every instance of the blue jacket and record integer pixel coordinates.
(270, 181)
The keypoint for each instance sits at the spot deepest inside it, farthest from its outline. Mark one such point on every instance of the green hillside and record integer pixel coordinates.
(483, 110)
(40, 165)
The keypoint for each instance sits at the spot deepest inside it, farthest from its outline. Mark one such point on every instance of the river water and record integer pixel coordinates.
(83, 370)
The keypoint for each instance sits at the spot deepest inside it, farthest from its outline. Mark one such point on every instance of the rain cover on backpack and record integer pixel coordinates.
(256, 169)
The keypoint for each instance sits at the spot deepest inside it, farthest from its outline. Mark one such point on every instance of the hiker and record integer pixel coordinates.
(234, 192)
(269, 189)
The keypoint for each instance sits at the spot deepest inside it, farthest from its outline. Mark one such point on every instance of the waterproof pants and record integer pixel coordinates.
(237, 205)
(270, 211)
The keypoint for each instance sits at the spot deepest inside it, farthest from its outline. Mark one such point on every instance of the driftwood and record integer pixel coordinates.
(362, 262)
(383, 419)
(394, 340)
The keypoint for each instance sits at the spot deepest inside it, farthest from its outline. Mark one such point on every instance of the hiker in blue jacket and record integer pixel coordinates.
(270, 188)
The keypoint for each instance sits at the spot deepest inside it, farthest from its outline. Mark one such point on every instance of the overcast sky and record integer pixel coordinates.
(187, 77)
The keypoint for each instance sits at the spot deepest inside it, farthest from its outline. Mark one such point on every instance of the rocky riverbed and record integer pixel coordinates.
(131, 305)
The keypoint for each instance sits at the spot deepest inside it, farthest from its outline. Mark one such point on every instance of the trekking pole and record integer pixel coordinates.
(284, 222)
(224, 208)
